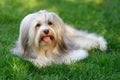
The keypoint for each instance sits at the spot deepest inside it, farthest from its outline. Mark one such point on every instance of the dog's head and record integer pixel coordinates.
(42, 29)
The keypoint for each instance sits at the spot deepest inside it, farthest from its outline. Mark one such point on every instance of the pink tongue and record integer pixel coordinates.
(46, 39)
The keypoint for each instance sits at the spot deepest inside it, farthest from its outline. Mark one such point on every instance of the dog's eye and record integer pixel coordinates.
(38, 25)
(50, 23)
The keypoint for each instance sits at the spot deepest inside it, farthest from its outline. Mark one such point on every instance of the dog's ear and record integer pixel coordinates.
(60, 32)
(24, 43)
(62, 47)
(24, 34)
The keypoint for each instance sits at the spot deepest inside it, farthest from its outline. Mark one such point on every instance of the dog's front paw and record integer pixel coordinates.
(102, 43)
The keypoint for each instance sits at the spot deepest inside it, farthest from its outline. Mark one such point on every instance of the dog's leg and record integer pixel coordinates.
(89, 41)
(73, 56)
(86, 40)
(39, 62)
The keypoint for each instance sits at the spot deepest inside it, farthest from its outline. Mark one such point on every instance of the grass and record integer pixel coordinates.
(100, 16)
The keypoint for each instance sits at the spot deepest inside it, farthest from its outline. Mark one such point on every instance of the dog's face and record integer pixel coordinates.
(42, 29)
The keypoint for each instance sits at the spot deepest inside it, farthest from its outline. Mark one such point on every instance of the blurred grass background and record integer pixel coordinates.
(100, 16)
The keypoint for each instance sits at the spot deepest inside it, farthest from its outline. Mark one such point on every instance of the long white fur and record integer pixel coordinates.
(78, 42)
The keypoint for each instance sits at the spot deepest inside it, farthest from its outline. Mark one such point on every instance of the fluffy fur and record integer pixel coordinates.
(44, 39)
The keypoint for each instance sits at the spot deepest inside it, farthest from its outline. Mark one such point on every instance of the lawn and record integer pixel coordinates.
(100, 16)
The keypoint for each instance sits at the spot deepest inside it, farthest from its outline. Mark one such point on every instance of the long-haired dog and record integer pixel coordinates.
(44, 39)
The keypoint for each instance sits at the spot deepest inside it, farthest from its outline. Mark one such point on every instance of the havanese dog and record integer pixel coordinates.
(44, 39)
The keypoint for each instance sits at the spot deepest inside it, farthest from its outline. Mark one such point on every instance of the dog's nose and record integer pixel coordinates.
(46, 31)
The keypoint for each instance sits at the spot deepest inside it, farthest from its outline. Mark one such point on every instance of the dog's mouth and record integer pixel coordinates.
(47, 39)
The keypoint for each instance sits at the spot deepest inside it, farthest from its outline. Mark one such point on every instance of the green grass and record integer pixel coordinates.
(100, 16)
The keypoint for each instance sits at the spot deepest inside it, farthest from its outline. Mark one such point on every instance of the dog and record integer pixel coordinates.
(45, 39)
